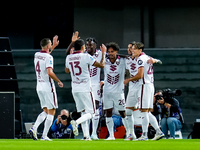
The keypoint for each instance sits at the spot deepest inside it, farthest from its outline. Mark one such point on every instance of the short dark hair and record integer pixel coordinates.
(89, 39)
(138, 45)
(44, 42)
(78, 44)
(112, 45)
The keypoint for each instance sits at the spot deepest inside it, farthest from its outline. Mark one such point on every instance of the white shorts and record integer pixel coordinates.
(132, 98)
(48, 99)
(145, 96)
(84, 101)
(113, 100)
(96, 92)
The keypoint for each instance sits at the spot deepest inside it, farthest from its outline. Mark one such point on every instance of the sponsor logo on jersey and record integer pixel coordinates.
(51, 62)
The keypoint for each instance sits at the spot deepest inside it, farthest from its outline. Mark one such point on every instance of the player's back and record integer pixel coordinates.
(78, 64)
(42, 61)
(148, 69)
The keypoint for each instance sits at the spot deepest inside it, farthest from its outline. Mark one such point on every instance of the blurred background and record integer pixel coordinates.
(169, 29)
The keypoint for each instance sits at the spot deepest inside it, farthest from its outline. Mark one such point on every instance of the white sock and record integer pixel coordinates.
(41, 117)
(47, 125)
(84, 118)
(130, 122)
(124, 121)
(145, 123)
(95, 122)
(110, 126)
(154, 123)
(85, 126)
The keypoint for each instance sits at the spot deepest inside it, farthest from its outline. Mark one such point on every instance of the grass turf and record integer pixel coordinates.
(72, 144)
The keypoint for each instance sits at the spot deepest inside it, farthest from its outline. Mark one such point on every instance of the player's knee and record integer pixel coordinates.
(128, 112)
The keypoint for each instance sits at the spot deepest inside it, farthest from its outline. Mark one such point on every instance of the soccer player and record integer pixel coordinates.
(45, 86)
(91, 48)
(77, 64)
(113, 95)
(132, 99)
(145, 79)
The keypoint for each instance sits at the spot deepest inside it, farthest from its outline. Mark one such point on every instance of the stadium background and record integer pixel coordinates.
(170, 31)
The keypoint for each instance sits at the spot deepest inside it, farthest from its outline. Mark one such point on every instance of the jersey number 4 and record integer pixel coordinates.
(37, 68)
(75, 64)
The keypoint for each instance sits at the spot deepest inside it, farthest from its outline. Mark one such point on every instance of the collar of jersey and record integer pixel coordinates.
(43, 51)
(76, 52)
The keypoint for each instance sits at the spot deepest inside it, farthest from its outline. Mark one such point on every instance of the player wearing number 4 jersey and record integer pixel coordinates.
(146, 90)
(45, 86)
(77, 64)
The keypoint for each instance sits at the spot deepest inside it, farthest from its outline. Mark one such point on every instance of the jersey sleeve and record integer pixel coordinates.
(141, 62)
(49, 62)
(90, 60)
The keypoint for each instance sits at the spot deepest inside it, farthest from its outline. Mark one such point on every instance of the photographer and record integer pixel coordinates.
(61, 127)
(167, 107)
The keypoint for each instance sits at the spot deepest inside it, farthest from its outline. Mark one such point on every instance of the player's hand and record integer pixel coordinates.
(75, 36)
(126, 81)
(103, 48)
(55, 41)
(150, 61)
(60, 84)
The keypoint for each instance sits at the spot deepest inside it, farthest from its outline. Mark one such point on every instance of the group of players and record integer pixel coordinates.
(84, 63)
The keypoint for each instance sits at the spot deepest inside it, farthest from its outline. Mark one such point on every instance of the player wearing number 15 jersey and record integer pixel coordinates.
(45, 86)
(77, 64)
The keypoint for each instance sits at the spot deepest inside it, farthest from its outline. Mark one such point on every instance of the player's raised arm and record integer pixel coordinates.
(55, 43)
(54, 77)
(102, 62)
(75, 37)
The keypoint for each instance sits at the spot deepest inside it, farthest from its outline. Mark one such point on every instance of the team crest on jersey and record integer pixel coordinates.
(140, 62)
(132, 66)
(113, 67)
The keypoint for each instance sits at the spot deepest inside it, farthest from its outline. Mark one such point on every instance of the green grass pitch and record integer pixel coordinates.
(118, 144)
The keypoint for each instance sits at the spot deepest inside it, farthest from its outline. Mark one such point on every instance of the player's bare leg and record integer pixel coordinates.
(130, 123)
(95, 122)
(47, 124)
(110, 124)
